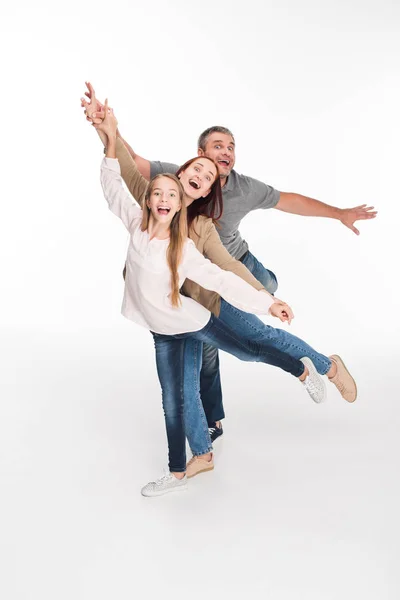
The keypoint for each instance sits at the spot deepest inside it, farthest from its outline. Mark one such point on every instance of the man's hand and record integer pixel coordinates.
(359, 213)
(282, 311)
(93, 107)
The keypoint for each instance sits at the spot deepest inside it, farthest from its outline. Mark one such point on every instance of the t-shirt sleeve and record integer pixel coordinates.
(157, 167)
(260, 195)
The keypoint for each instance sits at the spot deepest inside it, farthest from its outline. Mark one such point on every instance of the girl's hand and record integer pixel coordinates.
(282, 311)
(109, 124)
(94, 110)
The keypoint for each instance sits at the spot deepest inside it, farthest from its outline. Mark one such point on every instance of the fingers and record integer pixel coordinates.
(90, 88)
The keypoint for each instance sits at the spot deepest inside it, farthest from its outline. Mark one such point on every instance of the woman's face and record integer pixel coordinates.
(164, 200)
(198, 178)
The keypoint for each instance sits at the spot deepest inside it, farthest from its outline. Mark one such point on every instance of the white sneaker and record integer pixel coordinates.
(314, 383)
(163, 485)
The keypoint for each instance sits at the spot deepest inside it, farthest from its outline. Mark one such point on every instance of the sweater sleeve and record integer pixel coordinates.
(119, 200)
(135, 182)
(219, 255)
(228, 285)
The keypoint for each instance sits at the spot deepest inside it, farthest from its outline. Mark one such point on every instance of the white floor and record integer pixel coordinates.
(303, 502)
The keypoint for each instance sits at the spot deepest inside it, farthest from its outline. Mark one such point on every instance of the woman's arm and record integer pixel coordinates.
(135, 182)
(228, 285)
(219, 255)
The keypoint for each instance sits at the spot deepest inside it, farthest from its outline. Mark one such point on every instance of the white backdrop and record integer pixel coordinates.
(311, 91)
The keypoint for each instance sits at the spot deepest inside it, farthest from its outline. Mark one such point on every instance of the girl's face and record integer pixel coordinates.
(164, 201)
(198, 178)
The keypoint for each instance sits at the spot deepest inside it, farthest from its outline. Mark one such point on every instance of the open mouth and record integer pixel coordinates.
(163, 210)
(195, 184)
(224, 162)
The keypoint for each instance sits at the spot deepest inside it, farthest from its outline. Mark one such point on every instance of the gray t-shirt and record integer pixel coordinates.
(241, 195)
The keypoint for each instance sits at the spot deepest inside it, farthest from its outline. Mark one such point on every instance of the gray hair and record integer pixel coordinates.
(205, 135)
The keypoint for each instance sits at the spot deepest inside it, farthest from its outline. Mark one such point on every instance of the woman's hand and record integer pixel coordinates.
(94, 110)
(282, 311)
(109, 124)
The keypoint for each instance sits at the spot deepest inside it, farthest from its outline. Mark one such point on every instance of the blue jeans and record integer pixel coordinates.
(179, 365)
(182, 419)
(210, 379)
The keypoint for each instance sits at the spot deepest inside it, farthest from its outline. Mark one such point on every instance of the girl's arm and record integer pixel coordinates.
(119, 200)
(219, 255)
(228, 285)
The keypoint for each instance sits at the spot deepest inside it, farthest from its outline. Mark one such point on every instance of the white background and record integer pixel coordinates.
(303, 500)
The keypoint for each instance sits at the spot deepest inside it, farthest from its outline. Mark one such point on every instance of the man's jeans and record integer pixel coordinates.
(210, 379)
(179, 364)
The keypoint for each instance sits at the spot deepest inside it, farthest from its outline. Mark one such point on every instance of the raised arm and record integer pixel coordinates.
(135, 182)
(119, 200)
(228, 285)
(94, 111)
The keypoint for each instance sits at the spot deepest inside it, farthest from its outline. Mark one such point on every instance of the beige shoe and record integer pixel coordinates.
(343, 380)
(198, 464)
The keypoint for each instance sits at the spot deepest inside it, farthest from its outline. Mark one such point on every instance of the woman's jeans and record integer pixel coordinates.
(179, 360)
(210, 379)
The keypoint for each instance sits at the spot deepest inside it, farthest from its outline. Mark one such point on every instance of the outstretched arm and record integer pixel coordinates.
(94, 111)
(308, 207)
(231, 287)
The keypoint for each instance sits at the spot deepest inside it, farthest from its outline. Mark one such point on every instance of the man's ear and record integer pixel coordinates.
(200, 152)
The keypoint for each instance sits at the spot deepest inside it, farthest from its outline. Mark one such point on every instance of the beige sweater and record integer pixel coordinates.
(202, 232)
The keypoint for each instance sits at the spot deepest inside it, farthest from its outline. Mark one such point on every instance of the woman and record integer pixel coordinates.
(145, 299)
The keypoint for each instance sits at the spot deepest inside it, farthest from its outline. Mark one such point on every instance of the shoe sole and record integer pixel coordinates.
(337, 359)
(181, 488)
(311, 367)
(198, 472)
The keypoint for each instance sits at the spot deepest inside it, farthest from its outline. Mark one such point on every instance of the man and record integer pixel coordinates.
(241, 195)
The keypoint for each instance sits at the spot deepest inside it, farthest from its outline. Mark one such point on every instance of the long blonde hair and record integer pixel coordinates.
(178, 233)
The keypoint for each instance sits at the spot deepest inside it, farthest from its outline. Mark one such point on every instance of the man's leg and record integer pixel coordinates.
(264, 276)
(210, 379)
(210, 386)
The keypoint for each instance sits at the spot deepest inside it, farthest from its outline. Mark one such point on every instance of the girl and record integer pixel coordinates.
(159, 258)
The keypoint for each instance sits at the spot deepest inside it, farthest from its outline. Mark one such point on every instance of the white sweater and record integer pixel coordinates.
(148, 277)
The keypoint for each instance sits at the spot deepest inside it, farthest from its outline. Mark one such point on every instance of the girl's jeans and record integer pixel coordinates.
(179, 360)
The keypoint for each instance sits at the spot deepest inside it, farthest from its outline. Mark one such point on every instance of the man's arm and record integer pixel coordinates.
(308, 207)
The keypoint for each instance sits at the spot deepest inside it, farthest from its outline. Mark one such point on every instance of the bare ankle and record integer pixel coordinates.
(332, 371)
(304, 374)
(178, 475)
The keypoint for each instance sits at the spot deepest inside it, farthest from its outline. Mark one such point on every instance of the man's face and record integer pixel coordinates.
(221, 148)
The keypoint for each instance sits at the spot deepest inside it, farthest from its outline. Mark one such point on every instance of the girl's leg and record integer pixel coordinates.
(267, 337)
(195, 421)
(169, 360)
